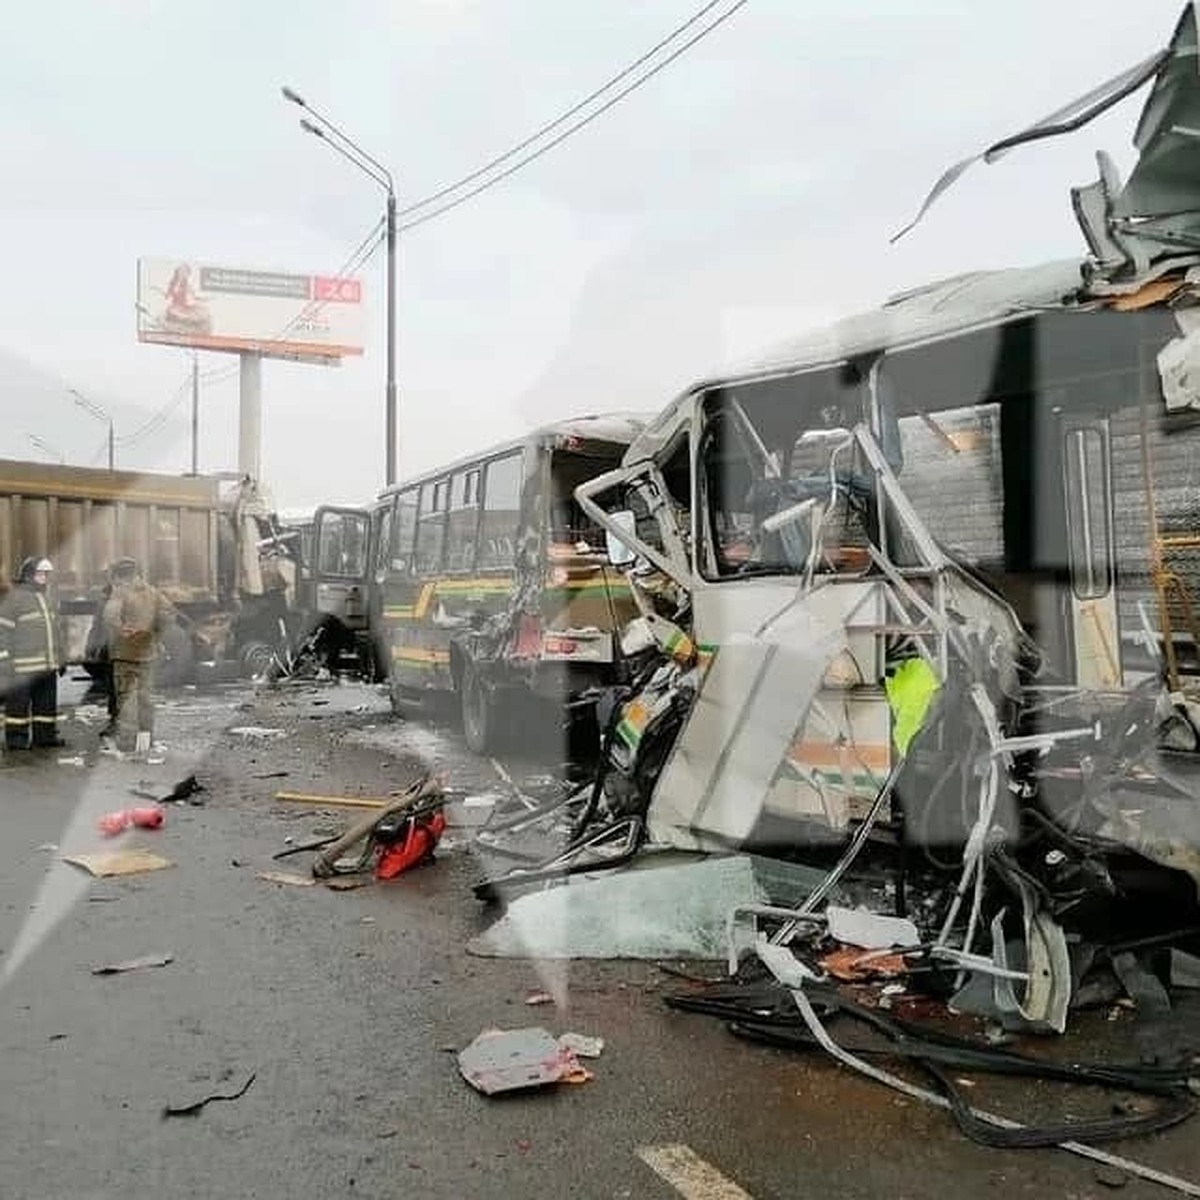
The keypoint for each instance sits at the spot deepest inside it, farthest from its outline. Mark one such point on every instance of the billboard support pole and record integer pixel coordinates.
(195, 413)
(250, 415)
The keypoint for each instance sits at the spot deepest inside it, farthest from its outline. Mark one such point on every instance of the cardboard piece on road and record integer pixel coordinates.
(288, 877)
(135, 964)
(511, 1060)
(119, 862)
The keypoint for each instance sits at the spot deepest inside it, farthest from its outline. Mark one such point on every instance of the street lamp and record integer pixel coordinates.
(329, 133)
(46, 448)
(101, 415)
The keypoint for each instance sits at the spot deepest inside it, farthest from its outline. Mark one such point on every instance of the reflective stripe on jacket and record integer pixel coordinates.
(30, 632)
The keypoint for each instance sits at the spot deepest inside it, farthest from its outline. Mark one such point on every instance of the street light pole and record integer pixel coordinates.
(391, 431)
(375, 170)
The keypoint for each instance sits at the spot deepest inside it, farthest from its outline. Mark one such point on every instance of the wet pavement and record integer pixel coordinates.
(347, 1007)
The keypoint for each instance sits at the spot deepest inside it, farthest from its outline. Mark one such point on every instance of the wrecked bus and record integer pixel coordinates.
(922, 588)
(484, 580)
(990, 462)
(992, 477)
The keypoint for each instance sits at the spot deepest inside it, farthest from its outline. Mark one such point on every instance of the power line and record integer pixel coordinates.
(578, 125)
(549, 126)
(358, 258)
(158, 419)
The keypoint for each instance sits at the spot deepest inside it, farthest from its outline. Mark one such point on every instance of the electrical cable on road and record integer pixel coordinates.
(573, 128)
(563, 117)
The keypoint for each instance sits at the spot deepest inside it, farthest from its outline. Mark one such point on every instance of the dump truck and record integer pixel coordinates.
(210, 543)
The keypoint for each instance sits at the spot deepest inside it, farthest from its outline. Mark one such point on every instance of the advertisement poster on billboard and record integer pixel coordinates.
(276, 314)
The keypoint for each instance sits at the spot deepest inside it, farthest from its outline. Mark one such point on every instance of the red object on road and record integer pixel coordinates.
(147, 817)
(418, 845)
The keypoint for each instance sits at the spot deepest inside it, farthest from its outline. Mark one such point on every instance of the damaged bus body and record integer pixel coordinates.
(941, 559)
(489, 583)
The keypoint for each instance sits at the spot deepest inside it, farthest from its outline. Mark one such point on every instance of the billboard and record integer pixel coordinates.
(281, 315)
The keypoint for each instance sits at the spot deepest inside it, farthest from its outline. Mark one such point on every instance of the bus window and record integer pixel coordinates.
(342, 544)
(383, 540)
(406, 528)
(463, 530)
(1088, 490)
(431, 528)
(501, 512)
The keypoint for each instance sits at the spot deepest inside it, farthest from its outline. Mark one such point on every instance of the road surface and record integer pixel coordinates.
(347, 1007)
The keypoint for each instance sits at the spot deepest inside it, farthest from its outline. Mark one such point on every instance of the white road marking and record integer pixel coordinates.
(689, 1174)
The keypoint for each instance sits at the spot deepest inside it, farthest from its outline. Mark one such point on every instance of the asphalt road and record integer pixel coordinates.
(347, 1006)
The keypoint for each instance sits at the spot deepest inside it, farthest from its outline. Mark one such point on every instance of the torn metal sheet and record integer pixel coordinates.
(1156, 212)
(651, 911)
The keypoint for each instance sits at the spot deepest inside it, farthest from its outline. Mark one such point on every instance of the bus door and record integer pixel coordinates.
(1087, 484)
(418, 654)
(340, 566)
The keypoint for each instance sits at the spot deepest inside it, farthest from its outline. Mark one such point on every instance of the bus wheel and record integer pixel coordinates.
(256, 659)
(478, 712)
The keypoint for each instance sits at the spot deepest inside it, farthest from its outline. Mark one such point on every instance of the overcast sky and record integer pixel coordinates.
(745, 194)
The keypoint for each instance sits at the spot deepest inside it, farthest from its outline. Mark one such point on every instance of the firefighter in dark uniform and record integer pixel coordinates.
(31, 633)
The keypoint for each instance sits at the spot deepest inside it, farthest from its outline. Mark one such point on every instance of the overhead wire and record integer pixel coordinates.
(550, 126)
(370, 243)
(159, 418)
(574, 128)
(357, 259)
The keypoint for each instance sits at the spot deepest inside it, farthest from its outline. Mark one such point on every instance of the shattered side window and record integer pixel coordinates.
(781, 449)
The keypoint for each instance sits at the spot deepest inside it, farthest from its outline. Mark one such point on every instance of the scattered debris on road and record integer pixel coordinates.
(517, 1059)
(581, 1045)
(258, 732)
(290, 878)
(195, 1107)
(119, 862)
(135, 964)
(114, 823)
(331, 801)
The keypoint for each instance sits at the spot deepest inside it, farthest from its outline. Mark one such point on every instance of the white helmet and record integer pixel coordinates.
(44, 564)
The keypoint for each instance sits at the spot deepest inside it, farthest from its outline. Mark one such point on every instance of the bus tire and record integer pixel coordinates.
(255, 658)
(479, 715)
